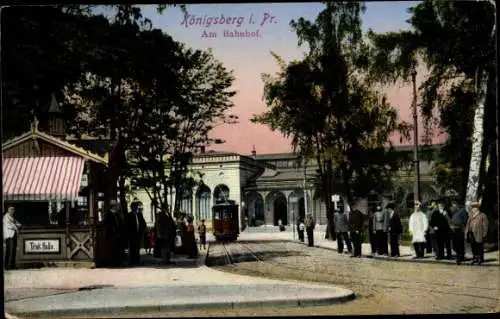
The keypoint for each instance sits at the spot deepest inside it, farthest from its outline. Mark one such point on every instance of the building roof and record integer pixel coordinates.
(36, 134)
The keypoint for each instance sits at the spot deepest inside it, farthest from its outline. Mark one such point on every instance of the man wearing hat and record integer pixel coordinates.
(380, 226)
(441, 229)
(457, 223)
(476, 231)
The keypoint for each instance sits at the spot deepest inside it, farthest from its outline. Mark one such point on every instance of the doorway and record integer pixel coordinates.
(280, 210)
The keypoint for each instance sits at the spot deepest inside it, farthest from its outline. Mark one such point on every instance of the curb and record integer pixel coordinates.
(304, 302)
(423, 261)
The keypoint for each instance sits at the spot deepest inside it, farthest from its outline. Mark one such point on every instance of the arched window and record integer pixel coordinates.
(204, 210)
(186, 202)
(221, 194)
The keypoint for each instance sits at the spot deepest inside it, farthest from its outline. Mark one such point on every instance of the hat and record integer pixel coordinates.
(475, 204)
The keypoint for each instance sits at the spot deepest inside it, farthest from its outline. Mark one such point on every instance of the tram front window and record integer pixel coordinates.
(226, 214)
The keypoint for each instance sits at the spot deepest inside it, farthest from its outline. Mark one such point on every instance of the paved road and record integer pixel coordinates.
(381, 286)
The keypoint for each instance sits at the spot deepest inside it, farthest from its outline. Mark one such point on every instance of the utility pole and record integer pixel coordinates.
(305, 187)
(416, 189)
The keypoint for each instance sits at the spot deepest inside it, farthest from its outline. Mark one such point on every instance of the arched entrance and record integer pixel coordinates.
(255, 209)
(280, 209)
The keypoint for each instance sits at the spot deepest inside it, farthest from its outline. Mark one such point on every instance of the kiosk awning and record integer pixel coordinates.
(42, 178)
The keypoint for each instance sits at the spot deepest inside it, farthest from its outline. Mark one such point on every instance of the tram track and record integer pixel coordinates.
(375, 284)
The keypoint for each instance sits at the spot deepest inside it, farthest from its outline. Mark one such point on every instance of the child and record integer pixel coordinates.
(202, 232)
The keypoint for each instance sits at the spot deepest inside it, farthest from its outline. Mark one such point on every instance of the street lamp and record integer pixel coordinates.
(293, 201)
(416, 190)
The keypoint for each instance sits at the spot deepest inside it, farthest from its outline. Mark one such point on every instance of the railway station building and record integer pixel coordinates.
(272, 187)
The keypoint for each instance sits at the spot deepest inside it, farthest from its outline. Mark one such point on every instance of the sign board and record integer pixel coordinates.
(42, 246)
(335, 198)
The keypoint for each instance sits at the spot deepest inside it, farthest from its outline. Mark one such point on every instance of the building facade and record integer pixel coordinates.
(273, 187)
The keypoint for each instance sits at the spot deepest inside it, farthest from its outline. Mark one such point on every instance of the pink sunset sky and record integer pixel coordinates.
(250, 57)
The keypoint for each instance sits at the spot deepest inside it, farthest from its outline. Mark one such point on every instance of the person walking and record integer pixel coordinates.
(135, 226)
(341, 224)
(380, 224)
(355, 227)
(310, 224)
(458, 222)
(10, 230)
(441, 229)
(476, 231)
(395, 230)
(417, 226)
(113, 228)
(202, 233)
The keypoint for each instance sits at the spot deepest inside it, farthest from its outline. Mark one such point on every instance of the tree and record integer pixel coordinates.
(455, 41)
(329, 110)
(188, 93)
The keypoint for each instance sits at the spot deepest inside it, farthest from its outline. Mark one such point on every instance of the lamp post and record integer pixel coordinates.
(293, 201)
(416, 190)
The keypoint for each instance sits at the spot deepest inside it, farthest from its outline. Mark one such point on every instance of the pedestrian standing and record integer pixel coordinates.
(446, 231)
(395, 230)
(135, 226)
(432, 232)
(341, 223)
(371, 232)
(191, 247)
(458, 222)
(476, 231)
(380, 224)
(441, 229)
(165, 232)
(10, 230)
(301, 229)
(202, 233)
(355, 227)
(114, 232)
(310, 223)
(417, 226)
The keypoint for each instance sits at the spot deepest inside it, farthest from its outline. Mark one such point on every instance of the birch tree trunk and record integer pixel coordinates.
(477, 143)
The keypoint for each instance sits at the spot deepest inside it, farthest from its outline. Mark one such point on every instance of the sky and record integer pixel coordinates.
(249, 57)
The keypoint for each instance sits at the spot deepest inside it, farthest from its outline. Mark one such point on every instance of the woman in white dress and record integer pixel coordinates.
(418, 225)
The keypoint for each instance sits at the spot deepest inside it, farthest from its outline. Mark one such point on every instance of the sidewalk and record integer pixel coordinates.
(406, 252)
(188, 285)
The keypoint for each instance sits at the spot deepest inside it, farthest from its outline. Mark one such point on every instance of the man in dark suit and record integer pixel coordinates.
(355, 225)
(439, 224)
(395, 229)
(135, 226)
(166, 232)
(113, 227)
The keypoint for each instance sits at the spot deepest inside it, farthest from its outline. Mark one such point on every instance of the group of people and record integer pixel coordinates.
(437, 230)
(165, 238)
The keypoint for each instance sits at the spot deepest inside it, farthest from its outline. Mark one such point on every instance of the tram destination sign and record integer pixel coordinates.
(42, 246)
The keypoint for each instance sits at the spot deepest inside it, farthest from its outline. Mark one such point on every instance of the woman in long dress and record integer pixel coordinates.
(418, 225)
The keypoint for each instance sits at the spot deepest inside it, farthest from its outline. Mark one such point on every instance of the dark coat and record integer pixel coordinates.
(356, 220)
(166, 229)
(440, 221)
(113, 224)
(395, 225)
(131, 225)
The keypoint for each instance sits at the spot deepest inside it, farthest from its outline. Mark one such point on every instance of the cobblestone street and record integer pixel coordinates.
(381, 287)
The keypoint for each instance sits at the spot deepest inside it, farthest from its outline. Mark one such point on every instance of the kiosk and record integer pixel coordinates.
(56, 189)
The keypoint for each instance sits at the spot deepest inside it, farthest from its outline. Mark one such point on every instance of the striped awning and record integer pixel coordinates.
(42, 178)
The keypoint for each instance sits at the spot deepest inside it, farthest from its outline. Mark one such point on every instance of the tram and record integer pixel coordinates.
(225, 221)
